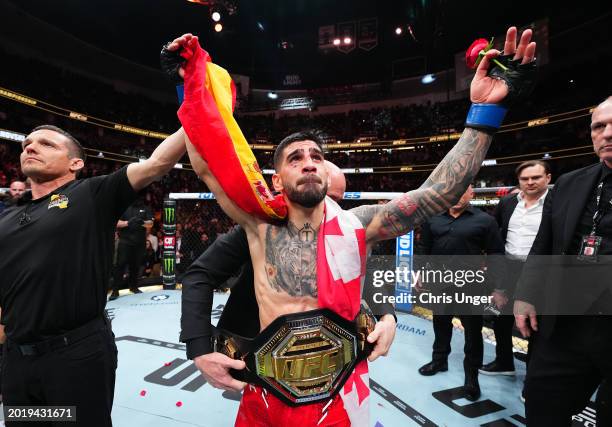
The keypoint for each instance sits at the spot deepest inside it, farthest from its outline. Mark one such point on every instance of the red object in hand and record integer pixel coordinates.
(471, 55)
(179, 404)
(143, 392)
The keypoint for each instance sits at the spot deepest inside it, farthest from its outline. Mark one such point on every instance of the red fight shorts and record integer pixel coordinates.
(260, 408)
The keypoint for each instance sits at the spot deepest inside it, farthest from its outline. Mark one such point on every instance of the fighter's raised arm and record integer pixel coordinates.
(230, 208)
(173, 58)
(449, 180)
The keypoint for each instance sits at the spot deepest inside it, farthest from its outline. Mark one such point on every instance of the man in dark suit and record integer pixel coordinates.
(518, 216)
(571, 355)
(459, 236)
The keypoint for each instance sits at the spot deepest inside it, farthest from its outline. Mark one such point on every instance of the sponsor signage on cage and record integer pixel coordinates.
(169, 242)
(403, 260)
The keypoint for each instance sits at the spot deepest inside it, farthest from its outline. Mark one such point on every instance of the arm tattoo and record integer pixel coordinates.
(441, 190)
(365, 213)
(291, 255)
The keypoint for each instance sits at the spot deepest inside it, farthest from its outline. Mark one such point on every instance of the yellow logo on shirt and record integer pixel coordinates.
(58, 201)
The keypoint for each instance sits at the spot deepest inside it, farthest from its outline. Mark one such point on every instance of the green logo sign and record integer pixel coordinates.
(169, 265)
(169, 215)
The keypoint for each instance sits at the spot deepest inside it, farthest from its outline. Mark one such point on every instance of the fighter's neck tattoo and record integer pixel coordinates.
(305, 234)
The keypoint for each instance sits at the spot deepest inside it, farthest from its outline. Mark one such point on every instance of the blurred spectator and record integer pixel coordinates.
(131, 247)
(150, 259)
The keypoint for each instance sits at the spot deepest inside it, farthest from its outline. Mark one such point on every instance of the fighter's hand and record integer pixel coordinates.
(215, 370)
(491, 90)
(382, 337)
(526, 318)
(170, 59)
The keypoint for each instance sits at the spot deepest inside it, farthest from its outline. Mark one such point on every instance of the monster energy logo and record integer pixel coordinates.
(169, 214)
(168, 265)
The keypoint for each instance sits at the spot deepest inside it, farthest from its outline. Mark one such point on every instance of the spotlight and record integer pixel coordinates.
(218, 27)
(411, 31)
(347, 40)
(398, 31)
(336, 42)
(428, 78)
(272, 95)
(216, 16)
(260, 26)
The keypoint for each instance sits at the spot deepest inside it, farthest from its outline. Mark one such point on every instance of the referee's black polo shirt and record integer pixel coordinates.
(56, 256)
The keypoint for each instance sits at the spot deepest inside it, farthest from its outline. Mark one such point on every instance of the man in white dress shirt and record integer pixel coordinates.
(518, 216)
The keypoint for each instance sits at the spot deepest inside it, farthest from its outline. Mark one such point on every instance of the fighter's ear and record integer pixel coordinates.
(277, 182)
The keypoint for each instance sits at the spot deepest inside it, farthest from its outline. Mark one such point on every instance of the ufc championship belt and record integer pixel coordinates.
(301, 358)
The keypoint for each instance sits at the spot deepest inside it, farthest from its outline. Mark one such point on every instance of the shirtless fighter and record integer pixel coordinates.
(284, 255)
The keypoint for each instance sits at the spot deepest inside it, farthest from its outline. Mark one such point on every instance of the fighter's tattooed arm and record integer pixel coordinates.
(291, 259)
(439, 192)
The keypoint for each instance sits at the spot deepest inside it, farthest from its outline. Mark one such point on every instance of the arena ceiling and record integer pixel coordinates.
(271, 39)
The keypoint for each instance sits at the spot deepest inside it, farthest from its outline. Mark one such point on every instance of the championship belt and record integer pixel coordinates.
(301, 358)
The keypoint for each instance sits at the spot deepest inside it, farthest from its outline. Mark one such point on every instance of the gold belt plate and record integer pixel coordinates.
(305, 357)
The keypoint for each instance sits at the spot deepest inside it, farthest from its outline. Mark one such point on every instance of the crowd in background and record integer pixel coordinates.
(84, 95)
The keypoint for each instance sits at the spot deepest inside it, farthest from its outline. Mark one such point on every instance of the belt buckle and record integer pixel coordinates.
(227, 346)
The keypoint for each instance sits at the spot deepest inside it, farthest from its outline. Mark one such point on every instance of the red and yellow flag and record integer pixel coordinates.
(207, 117)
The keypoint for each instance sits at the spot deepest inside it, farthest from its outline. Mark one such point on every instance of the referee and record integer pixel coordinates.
(55, 262)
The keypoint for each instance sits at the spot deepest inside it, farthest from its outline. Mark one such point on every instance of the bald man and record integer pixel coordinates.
(221, 261)
(16, 189)
(336, 182)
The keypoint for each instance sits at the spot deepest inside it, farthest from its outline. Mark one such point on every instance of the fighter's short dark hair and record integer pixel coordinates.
(306, 135)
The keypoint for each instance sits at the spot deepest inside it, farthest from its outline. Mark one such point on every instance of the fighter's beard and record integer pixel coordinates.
(308, 198)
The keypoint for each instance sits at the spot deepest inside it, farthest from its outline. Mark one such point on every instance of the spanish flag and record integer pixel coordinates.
(207, 117)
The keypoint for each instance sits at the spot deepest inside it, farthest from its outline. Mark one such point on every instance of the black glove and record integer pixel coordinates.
(520, 78)
(135, 223)
(170, 62)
